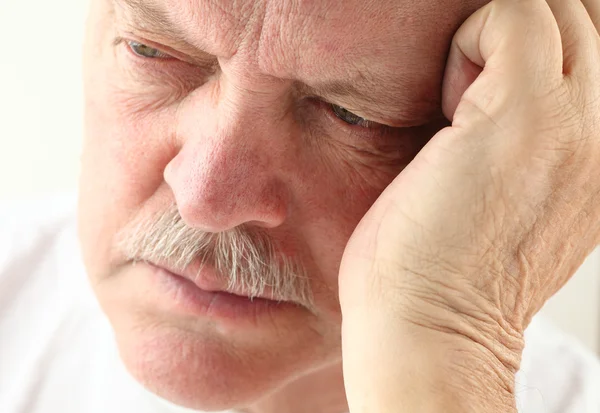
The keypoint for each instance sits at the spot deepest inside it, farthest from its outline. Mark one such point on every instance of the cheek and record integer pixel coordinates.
(332, 197)
(129, 126)
(123, 159)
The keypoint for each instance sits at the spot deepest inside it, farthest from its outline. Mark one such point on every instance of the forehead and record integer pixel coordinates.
(394, 50)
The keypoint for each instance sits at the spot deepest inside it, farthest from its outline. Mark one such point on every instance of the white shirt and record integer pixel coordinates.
(58, 353)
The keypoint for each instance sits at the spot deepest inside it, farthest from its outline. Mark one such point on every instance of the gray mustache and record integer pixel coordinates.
(245, 257)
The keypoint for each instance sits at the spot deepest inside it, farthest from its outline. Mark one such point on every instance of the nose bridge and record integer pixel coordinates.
(242, 117)
(242, 141)
(259, 102)
(227, 171)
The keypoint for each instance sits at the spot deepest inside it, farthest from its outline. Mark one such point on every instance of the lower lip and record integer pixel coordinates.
(185, 297)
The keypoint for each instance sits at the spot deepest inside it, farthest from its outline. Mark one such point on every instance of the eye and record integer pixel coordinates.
(347, 116)
(146, 52)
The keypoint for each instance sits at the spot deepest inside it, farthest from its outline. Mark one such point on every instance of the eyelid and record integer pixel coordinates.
(364, 124)
(368, 123)
(375, 129)
(128, 48)
(160, 54)
(170, 54)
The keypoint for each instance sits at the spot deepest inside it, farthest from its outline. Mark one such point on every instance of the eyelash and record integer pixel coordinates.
(160, 55)
(364, 127)
(146, 63)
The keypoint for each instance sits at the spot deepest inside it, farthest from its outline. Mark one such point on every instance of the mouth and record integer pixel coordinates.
(206, 278)
(200, 292)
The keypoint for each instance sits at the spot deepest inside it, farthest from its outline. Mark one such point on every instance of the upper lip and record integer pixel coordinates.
(206, 278)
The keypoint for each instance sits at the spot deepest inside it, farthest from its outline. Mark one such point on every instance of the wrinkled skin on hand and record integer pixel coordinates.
(494, 215)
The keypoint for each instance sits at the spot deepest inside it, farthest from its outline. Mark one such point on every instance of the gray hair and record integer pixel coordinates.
(245, 256)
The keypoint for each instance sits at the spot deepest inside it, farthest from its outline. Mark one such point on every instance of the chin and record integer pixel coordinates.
(205, 370)
(198, 372)
(209, 360)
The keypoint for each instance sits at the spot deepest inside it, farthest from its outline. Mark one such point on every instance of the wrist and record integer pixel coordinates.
(432, 372)
(454, 374)
(429, 361)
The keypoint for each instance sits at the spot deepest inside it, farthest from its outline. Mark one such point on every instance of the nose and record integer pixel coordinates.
(228, 169)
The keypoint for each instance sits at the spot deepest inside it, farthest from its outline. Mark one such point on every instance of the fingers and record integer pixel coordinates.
(578, 34)
(593, 9)
(512, 35)
(463, 67)
(518, 41)
(525, 44)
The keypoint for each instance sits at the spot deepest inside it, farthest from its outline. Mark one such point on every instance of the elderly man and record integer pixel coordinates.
(313, 206)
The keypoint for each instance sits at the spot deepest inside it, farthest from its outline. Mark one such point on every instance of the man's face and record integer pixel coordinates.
(243, 119)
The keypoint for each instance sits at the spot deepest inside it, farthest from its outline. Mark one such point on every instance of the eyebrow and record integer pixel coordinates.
(335, 89)
(384, 103)
(148, 15)
(338, 90)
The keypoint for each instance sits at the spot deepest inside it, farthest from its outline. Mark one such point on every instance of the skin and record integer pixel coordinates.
(492, 217)
(170, 133)
(246, 144)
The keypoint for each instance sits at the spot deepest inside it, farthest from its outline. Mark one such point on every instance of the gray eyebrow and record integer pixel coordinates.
(148, 15)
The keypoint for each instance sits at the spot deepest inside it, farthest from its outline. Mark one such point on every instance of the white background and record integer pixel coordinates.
(41, 123)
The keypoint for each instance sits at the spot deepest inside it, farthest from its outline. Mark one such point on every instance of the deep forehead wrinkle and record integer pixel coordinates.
(377, 53)
(146, 14)
(212, 26)
(308, 41)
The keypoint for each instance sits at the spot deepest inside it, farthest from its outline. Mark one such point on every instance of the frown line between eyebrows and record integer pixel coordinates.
(150, 16)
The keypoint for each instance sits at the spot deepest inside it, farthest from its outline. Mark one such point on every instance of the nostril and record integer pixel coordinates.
(214, 208)
(198, 217)
(223, 182)
(263, 224)
(171, 169)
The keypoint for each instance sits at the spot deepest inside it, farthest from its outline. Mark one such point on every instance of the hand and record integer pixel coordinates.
(444, 273)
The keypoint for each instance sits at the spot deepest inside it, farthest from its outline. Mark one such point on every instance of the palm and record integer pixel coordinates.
(496, 212)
